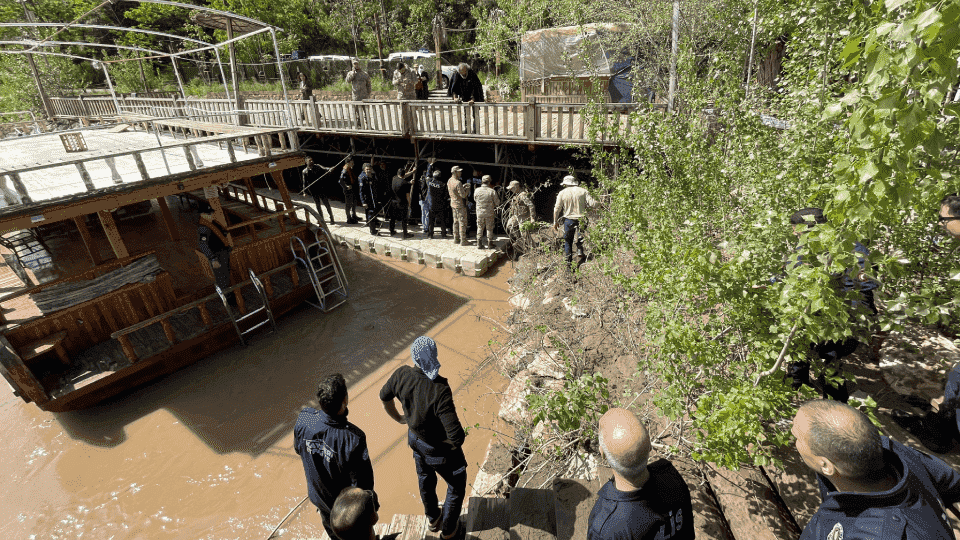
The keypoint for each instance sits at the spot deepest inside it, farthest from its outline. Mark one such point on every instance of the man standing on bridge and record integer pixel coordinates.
(360, 88)
(458, 192)
(405, 81)
(434, 433)
(333, 451)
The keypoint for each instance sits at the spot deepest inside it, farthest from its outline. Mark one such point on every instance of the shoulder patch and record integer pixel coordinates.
(836, 533)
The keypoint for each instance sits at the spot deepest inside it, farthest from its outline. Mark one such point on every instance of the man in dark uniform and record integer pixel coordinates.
(311, 183)
(213, 242)
(641, 501)
(400, 204)
(871, 486)
(349, 194)
(434, 434)
(353, 515)
(439, 204)
(369, 196)
(333, 451)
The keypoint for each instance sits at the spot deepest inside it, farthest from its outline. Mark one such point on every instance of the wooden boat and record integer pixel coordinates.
(125, 296)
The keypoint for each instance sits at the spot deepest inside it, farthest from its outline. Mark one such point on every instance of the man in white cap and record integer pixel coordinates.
(434, 433)
(487, 203)
(458, 192)
(571, 208)
(519, 211)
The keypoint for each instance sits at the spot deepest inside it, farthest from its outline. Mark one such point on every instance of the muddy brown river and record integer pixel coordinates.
(207, 452)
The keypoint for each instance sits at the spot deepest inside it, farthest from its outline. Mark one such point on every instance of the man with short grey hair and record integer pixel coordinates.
(641, 501)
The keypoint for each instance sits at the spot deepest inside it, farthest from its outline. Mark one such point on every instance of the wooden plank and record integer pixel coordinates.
(172, 228)
(88, 243)
(27, 384)
(113, 235)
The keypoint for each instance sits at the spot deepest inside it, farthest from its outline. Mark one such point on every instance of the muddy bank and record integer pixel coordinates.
(208, 453)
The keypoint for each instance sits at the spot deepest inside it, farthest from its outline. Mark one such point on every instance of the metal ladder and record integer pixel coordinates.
(258, 285)
(28, 248)
(323, 267)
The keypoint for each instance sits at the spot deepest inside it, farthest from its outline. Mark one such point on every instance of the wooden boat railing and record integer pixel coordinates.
(123, 336)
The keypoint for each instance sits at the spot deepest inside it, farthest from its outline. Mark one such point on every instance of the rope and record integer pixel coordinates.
(304, 190)
(284, 520)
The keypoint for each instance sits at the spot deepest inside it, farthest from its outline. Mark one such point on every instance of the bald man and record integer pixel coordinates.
(872, 486)
(641, 501)
(354, 514)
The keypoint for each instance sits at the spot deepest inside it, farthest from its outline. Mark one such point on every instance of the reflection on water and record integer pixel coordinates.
(207, 452)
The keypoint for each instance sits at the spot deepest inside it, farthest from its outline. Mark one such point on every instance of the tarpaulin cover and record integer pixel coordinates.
(567, 51)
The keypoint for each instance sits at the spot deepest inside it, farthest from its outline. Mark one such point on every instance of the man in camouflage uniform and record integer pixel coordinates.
(458, 192)
(405, 81)
(519, 211)
(360, 87)
(487, 202)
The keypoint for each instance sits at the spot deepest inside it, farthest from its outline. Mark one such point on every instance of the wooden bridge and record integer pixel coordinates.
(528, 122)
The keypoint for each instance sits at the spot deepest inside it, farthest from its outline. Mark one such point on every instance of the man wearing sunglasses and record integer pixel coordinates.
(939, 431)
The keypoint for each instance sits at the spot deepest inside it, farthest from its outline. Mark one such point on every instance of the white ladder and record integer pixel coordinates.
(258, 285)
(323, 268)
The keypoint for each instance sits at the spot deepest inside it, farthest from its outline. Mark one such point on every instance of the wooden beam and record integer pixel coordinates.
(114, 197)
(113, 234)
(282, 186)
(88, 243)
(248, 182)
(168, 219)
(27, 384)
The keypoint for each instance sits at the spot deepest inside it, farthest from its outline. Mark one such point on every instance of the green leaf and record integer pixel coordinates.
(927, 18)
(894, 4)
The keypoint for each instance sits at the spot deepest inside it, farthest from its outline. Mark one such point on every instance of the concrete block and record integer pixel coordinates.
(532, 514)
(398, 251)
(381, 246)
(432, 259)
(414, 255)
(472, 264)
(451, 261)
(366, 244)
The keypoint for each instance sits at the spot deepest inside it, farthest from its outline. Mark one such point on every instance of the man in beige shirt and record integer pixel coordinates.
(405, 81)
(487, 203)
(571, 208)
(458, 192)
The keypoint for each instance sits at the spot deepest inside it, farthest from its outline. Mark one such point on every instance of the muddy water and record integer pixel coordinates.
(208, 451)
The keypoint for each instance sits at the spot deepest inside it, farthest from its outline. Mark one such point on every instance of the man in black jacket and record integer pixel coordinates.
(434, 434)
(465, 86)
(349, 194)
(439, 204)
(310, 176)
(333, 451)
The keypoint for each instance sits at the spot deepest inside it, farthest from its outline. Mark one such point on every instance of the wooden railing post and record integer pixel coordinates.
(404, 118)
(531, 119)
(312, 112)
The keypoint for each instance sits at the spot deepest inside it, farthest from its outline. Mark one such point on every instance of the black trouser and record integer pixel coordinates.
(438, 216)
(325, 519)
(451, 465)
(349, 204)
(831, 352)
(317, 200)
(371, 212)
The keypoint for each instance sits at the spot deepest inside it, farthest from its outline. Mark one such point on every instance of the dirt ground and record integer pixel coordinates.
(600, 328)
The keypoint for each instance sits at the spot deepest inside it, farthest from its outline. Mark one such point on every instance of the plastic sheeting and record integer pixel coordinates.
(567, 51)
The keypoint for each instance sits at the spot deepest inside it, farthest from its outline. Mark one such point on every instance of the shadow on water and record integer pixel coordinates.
(246, 398)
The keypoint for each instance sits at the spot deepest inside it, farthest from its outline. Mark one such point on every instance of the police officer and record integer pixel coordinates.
(310, 177)
(487, 202)
(424, 194)
(349, 194)
(871, 486)
(333, 451)
(369, 194)
(439, 205)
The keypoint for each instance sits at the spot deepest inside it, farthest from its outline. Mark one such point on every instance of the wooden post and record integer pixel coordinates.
(25, 383)
(113, 234)
(220, 215)
(530, 119)
(168, 219)
(21, 189)
(88, 243)
(248, 182)
(282, 186)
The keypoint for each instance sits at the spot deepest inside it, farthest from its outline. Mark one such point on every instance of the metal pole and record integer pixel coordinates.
(110, 84)
(674, 52)
(753, 40)
(173, 60)
(33, 68)
(222, 74)
(233, 64)
(283, 80)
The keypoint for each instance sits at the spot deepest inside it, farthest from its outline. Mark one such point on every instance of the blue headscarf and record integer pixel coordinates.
(424, 352)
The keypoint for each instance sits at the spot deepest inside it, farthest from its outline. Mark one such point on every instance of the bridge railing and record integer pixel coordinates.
(531, 121)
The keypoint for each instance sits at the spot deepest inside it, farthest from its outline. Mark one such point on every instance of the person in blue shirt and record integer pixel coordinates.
(871, 486)
(333, 451)
(641, 501)
(939, 430)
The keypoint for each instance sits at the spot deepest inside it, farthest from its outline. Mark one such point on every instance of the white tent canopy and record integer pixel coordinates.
(566, 51)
